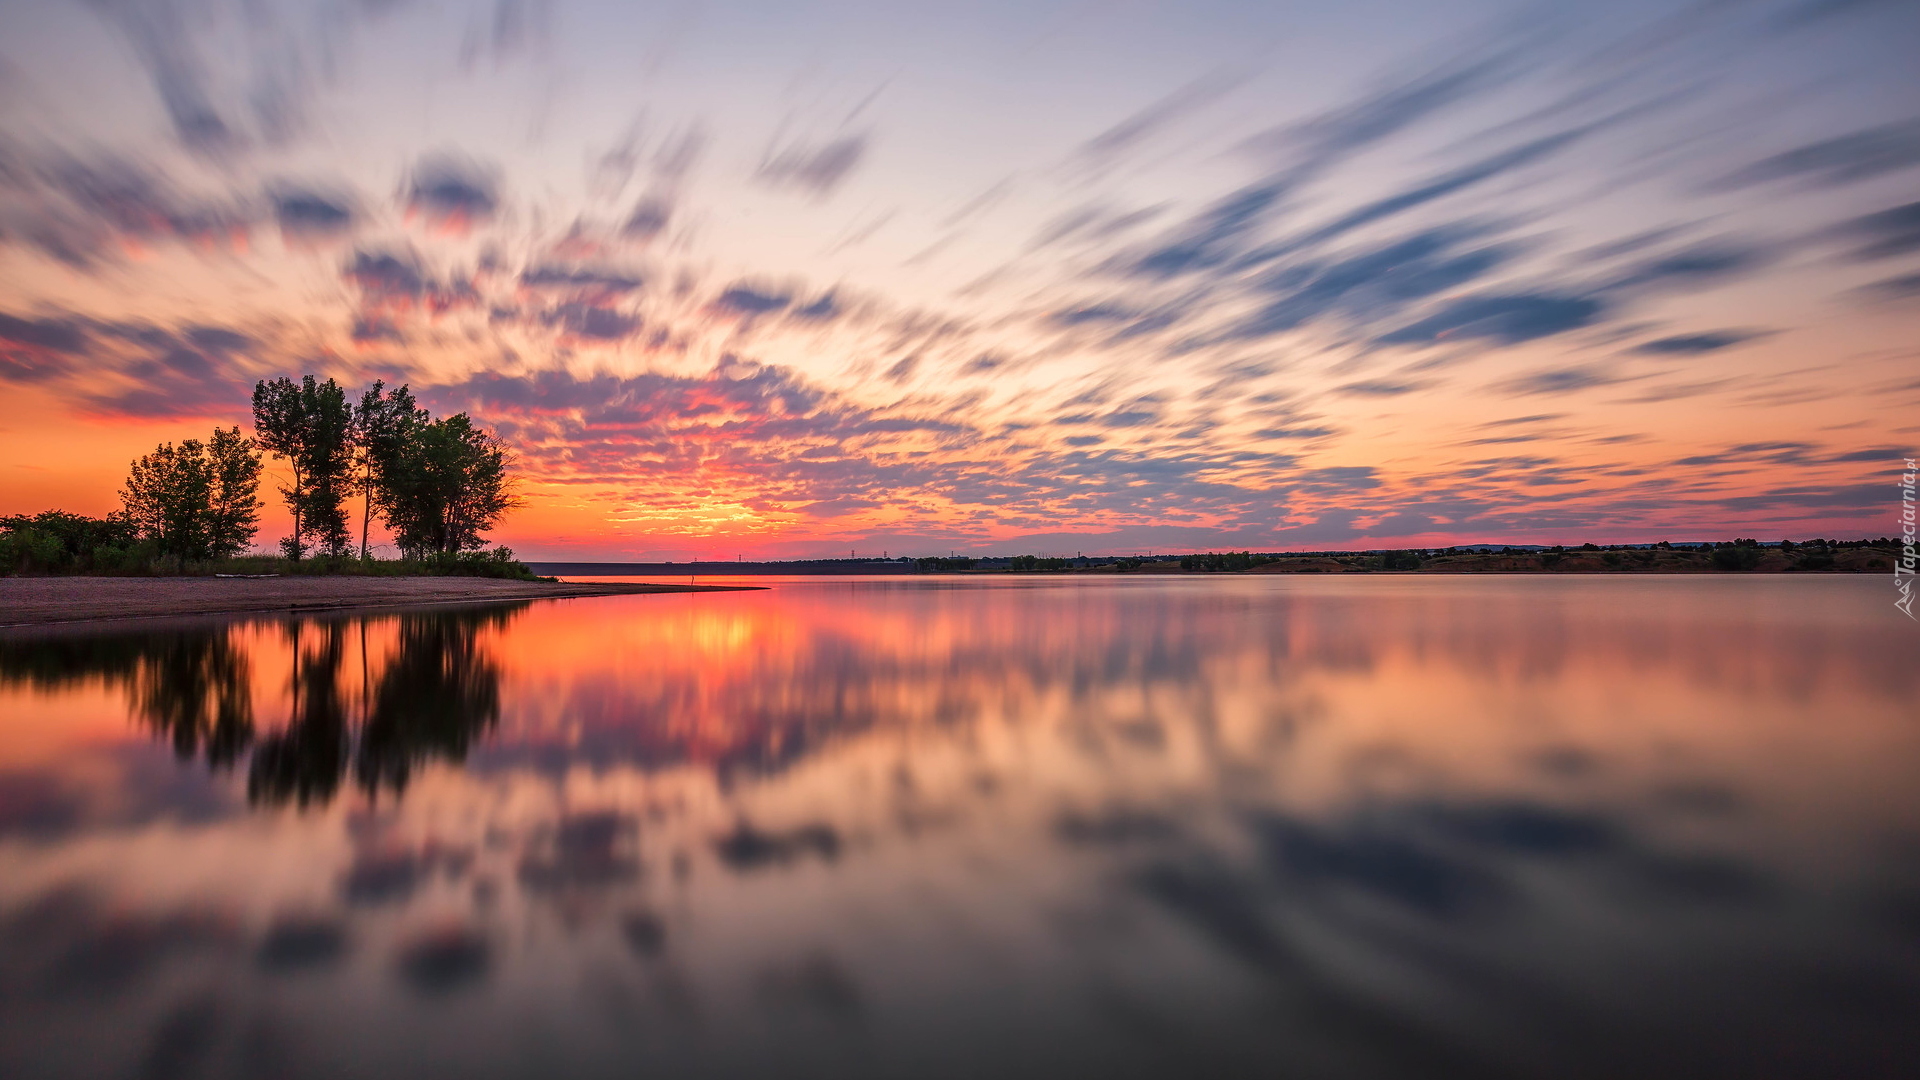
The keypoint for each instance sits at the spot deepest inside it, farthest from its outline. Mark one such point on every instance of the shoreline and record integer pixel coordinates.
(56, 601)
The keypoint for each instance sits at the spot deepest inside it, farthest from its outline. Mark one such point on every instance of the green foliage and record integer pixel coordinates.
(56, 542)
(310, 425)
(1736, 556)
(443, 486)
(198, 500)
(1400, 560)
(497, 563)
(383, 423)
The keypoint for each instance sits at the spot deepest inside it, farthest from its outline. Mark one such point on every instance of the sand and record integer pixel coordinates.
(41, 601)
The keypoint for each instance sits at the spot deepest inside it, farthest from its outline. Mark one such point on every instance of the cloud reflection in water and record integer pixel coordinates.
(1371, 827)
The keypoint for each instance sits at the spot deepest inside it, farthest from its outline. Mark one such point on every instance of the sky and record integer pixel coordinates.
(795, 280)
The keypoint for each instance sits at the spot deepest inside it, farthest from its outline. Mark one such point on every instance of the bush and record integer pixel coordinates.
(1736, 557)
(498, 563)
(56, 542)
(1400, 560)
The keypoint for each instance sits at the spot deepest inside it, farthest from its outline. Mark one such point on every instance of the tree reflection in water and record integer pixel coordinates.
(439, 691)
(429, 698)
(195, 690)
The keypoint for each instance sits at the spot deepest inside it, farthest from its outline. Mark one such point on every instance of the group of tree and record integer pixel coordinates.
(438, 485)
(1223, 561)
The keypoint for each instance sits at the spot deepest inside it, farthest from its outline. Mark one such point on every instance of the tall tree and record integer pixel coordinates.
(233, 503)
(383, 423)
(197, 500)
(445, 486)
(310, 424)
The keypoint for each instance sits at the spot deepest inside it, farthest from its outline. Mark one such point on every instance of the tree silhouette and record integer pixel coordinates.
(383, 424)
(196, 691)
(438, 693)
(197, 500)
(304, 762)
(310, 425)
(444, 486)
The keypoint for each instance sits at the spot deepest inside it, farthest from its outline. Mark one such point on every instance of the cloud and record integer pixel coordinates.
(309, 216)
(1314, 144)
(160, 35)
(580, 281)
(818, 168)
(366, 331)
(749, 301)
(820, 310)
(1702, 264)
(1509, 319)
(590, 321)
(648, 219)
(1895, 288)
(1302, 432)
(33, 350)
(1377, 388)
(385, 276)
(1444, 185)
(452, 194)
(1695, 344)
(513, 27)
(1558, 381)
(395, 283)
(1846, 159)
(84, 210)
(1212, 237)
(1369, 285)
(1143, 125)
(150, 371)
(1888, 233)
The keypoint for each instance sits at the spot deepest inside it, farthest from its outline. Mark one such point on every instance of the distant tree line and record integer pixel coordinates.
(438, 485)
(1224, 562)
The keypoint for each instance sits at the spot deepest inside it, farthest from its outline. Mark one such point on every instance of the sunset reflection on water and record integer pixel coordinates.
(1378, 826)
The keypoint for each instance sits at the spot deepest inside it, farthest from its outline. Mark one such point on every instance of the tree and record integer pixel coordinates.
(197, 500)
(233, 504)
(445, 485)
(311, 425)
(383, 424)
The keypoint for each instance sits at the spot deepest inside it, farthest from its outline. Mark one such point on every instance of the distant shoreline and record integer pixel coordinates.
(1852, 557)
(56, 600)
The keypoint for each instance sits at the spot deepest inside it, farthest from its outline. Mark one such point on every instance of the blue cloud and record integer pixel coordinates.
(1860, 155)
(1695, 344)
(1887, 233)
(1508, 319)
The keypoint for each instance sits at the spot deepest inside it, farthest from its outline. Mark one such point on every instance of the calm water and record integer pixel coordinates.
(1346, 827)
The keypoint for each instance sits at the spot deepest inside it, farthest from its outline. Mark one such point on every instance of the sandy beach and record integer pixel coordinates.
(42, 601)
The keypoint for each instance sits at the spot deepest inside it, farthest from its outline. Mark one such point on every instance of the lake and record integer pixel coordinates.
(1354, 826)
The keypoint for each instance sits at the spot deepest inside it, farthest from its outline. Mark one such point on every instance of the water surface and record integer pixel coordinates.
(1349, 827)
